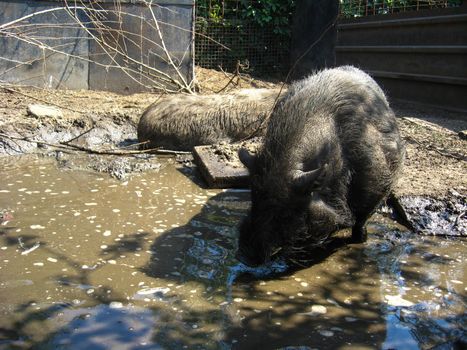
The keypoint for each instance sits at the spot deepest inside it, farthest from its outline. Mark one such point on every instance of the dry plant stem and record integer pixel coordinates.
(26, 139)
(77, 137)
(96, 13)
(169, 58)
(178, 28)
(109, 50)
(55, 9)
(12, 90)
(329, 26)
(236, 74)
(173, 26)
(427, 125)
(20, 63)
(443, 152)
(104, 45)
(137, 144)
(69, 147)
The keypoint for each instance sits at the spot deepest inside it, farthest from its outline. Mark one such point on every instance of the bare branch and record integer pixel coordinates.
(55, 9)
(110, 37)
(70, 147)
(164, 47)
(12, 90)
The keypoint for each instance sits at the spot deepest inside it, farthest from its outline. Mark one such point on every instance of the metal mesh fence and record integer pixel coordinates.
(227, 39)
(359, 8)
(228, 36)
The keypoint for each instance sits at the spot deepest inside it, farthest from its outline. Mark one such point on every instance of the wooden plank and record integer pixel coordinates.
(446, 49)
(220, 166)
(417, 56)
(217, 172)
(386, 21)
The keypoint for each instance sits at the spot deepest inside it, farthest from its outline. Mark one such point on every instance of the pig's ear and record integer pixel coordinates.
(306, 182)
(246, 158)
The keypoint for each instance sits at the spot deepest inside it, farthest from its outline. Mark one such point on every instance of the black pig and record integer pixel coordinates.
(331, 153)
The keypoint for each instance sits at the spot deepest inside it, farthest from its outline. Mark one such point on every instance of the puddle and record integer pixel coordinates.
(90, 262)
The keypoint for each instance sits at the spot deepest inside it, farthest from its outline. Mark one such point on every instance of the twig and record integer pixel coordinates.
(137, 144)
(114, 49)
(186, 86)
(55, 9)
(105, 47)
(27, 250)
(427, 125)
(12, 90)
(236, 74)
(33, 248)
(77, 137)
(223, 71)
(69, 147)
(108, 152)
(286, 80)
(440, 151)
(33, 141)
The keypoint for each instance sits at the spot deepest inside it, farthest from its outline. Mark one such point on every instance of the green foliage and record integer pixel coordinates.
(270, 12)
(275, 13)
(256, 33)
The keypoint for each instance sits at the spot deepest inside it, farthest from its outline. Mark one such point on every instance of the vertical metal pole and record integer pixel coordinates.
(193, 38)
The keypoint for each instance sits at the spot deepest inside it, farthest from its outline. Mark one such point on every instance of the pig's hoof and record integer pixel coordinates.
(359, 235)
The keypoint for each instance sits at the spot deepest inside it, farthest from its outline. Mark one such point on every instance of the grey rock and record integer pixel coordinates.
(44, 111)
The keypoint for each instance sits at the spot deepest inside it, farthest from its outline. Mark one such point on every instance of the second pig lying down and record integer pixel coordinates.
(180, 122)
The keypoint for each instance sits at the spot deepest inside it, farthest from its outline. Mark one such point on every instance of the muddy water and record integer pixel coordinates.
(90, 262)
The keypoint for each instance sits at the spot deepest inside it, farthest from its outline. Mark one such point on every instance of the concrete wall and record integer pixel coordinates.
(87, 64)
(42, 67)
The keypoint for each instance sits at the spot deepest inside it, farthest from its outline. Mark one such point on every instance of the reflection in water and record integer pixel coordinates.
(104, 327)
(388, 255)
(436, 314)
(264, 271)
(90, 262)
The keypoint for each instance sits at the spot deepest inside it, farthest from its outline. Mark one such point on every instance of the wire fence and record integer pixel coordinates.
(360, 8)
(230, 37)
(226, 38)
(247, 47)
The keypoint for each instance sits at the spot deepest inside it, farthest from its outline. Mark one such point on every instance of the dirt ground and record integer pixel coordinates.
(436, 160)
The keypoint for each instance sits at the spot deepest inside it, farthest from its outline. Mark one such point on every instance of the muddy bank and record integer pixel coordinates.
(102, 119)
(442, 216)
(435, 166)
(436, 159)
(83, 119)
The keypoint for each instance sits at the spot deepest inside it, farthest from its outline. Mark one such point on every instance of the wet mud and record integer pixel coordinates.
(228, 153)
(93, 131)
(119, 167)
(444, 216)
(88, 261)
